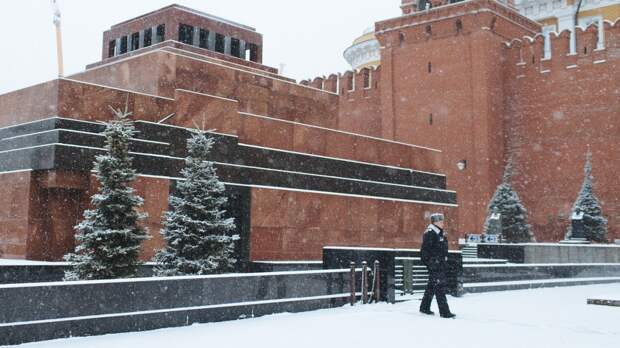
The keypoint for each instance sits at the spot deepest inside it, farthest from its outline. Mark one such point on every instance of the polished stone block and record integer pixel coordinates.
(551, 253)
(103, 307)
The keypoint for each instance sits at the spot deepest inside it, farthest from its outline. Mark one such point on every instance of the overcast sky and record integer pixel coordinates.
(308, 36)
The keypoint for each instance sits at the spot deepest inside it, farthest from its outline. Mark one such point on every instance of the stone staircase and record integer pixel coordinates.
(470, 251)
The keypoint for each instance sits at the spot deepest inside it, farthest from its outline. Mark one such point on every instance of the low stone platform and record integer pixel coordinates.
(476, 273)
(535, 284)
(613, 303)
(501, 277)
(539, 253)
(86, 308)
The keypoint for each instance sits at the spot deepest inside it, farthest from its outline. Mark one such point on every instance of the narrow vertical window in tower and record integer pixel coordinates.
(123, 49)
(429, 30)
(160, 33)
(135, 41)
(235, 47)
(219, 43)
(430, 119)
(203, 41)
(186, 34)
(111, 48)
(148, 37)
(459, 26)
(430, 67)
(253, 52)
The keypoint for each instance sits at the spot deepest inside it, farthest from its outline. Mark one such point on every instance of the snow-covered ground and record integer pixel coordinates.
(552, 317)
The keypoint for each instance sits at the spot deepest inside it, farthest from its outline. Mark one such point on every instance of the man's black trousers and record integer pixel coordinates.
(436, 286)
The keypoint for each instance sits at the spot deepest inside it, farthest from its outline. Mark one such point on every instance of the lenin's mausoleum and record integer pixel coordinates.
(440, 99)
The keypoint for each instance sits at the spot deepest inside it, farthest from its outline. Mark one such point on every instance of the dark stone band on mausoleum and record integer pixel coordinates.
(158, 150)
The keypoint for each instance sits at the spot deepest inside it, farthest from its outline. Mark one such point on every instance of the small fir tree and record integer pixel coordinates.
(515, 228)
(199, 238)
(594, 223)
(109, 237)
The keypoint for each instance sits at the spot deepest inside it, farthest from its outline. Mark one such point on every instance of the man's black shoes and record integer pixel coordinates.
(427, 311)
(448, 316)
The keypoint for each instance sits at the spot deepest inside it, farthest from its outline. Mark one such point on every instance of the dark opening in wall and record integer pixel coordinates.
(186, 34)
(350, 83)
(366, 74)
(203, 39)
(533, 59)
(247, 51)
(459, 25)
(423, 4)
(430, 119)
(430, 67)
(401, 38)
(135, 41)
(111, 48)
(123, 48)
(160, 34)
(235, 47)
(429, 30)
(220, 43)
(585, 50)
(148, 37)
(253, 48)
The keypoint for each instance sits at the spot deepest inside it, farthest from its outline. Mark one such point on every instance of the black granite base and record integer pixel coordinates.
(535, 284)
(32, 332)
(284, 266)
(509, 272)
(511, 253)
(545, 253)
(42, 273)
(36, 312)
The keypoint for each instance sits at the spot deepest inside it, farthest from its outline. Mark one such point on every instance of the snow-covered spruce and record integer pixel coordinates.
(199, 238)
(594, 223)
(109, 237)
(515, 228)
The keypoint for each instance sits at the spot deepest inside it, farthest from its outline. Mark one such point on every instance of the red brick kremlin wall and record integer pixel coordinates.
(554, 109)
(449, 80)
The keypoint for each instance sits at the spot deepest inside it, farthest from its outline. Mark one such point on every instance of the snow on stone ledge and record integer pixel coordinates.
(21, 262)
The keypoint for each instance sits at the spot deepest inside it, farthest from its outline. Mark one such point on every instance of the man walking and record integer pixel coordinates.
(434, 255)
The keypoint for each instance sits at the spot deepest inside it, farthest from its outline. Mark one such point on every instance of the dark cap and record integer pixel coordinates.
(436, 217)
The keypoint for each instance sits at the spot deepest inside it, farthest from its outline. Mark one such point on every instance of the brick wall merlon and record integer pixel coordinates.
(331, 83)
(317, 82)
(347, 82)
(591, 45)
